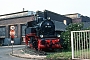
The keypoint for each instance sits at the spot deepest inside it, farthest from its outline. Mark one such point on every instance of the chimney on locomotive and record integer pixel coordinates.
(45, 15)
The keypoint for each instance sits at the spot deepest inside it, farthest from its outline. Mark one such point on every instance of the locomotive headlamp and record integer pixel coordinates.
(48, 18)
(41, 36)
(58, 35)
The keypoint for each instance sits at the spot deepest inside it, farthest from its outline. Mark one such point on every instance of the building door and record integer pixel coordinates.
(2, 34)
(23, 32)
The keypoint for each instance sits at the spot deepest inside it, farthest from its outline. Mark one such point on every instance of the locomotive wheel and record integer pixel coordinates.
(33, 42)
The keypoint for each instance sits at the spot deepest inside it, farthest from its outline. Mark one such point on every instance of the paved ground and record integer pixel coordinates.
(18, 54)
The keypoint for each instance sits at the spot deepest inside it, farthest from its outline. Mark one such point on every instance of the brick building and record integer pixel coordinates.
(18, 19)
(76, 18)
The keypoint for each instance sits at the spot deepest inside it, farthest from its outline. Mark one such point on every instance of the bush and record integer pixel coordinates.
(66, 36)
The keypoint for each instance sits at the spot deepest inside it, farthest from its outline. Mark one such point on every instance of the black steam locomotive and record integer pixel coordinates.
(41, 34)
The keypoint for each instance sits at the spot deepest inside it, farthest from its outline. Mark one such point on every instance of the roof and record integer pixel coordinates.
(72, 14)
(17, 14)
(60, 26)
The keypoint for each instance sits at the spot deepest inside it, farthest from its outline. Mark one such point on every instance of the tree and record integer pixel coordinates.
(66, 36)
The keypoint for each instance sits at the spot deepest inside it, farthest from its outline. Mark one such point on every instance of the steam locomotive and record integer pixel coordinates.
(40, 34)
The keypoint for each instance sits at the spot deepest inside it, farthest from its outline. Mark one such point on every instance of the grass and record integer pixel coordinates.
(59, 55)
(67, 55)
(85, 53)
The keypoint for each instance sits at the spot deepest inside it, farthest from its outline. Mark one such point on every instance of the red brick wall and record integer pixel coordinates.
(76, 20)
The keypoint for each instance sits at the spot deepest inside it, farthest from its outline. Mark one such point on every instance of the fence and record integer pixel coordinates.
(80, 42)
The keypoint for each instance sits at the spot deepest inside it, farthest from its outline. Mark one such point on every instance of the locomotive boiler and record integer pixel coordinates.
(40, 34)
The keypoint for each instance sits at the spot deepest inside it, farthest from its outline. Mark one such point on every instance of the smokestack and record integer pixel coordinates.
(45, 14)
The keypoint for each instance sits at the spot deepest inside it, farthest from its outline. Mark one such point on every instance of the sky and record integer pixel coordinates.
(58, 6)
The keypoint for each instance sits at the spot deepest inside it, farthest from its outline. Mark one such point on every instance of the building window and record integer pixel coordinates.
(65, 22)
(2, 31)
(23, 26)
